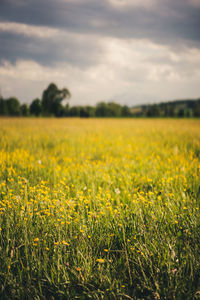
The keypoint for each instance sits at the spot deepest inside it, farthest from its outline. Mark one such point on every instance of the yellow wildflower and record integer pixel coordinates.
(100, 260)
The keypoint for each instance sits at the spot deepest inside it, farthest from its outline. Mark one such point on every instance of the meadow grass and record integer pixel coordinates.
(99, 209)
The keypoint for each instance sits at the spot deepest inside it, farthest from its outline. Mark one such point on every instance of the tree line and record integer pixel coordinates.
(175, 109)
(51, 105)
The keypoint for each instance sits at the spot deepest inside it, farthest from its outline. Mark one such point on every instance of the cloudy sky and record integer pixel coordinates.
(128, 51)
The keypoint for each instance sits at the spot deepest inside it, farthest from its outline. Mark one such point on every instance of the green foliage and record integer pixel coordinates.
(51, 100)
(179, 109)
(197, 109)
(75, 111)
(87, 111)
(125, 111)
(110, 109)
(36, 107)
(102, 110)
(3, 107)
(10, 106)
(24, 108)
(13, 105)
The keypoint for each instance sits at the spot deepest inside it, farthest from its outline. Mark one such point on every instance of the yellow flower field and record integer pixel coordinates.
(99, 208)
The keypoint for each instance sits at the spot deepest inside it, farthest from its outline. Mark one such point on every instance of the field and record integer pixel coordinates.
(99, 209)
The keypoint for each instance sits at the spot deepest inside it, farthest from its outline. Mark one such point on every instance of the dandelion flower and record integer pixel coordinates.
(65, 243)
(100, 260)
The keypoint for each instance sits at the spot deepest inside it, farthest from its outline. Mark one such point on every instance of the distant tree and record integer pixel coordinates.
(67, 110)
(36, 107)
(52, 98)
(189, 113)
(171, 111)
(3, 107)
(125, 112)
(166, 110)
(91, 110)
(24, 109)
(114, 109)
(75, 111)
(182, 113)
(13, 106)
(197, 109)
(87, 111)
(153, 111)
(102, 109)
(143, 112)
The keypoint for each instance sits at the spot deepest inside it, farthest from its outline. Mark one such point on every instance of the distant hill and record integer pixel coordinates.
(177, 108)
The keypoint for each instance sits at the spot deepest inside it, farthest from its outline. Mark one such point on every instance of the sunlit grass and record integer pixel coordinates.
(99, 209)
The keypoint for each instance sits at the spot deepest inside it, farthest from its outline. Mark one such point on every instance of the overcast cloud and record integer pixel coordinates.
(129, 51)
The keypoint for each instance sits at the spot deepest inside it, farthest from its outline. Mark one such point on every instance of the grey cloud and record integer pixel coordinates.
(174, 23)
(51, 51)
(167, 20)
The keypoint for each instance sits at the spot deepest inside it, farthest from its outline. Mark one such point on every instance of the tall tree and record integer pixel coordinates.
(52, 98)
